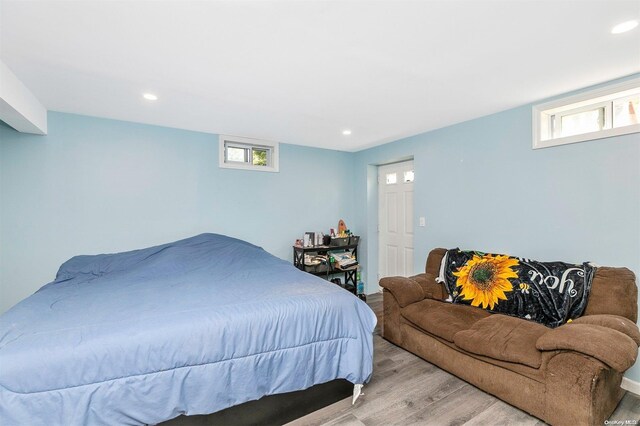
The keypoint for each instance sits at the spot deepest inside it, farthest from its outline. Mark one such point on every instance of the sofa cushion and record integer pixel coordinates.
(442, 319)
(503, 338)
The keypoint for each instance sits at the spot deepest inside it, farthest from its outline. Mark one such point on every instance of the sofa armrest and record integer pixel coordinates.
(609, 346)
(615, 322)
(405, 290)
(579, 390)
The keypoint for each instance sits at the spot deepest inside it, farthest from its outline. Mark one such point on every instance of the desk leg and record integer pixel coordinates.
(298, 259)
(350, 278)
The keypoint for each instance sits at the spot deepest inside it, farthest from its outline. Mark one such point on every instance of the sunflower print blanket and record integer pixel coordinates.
(550, 293)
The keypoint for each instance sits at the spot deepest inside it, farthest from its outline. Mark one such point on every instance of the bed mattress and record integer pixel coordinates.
(190, 327)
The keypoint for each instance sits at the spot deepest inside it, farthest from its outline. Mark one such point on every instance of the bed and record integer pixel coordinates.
(190, 327)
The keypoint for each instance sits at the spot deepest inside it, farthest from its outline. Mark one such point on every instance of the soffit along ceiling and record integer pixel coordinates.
(302, 72)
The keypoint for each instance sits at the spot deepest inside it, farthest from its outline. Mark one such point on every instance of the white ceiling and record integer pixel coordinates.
(301, 72)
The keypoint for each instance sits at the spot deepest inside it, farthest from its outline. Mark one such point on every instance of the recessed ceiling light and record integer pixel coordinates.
(624, 27)
(346, 132)
(150, 97)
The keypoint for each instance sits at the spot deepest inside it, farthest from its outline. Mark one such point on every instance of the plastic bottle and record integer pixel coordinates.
(360, 291)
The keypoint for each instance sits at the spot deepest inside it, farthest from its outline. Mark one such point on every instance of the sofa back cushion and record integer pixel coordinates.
(432, 270)
(613, 292)
(549, 293)
(434, 260)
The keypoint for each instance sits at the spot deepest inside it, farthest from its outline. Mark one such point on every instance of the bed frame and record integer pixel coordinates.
(273, 409)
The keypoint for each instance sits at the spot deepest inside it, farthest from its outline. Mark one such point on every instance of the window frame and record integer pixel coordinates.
(272, 149)
(542, 129)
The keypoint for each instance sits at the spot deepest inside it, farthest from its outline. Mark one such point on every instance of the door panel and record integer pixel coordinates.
(392, 217)
(395, 219)
(392, 260)
(408, 260)
(408, 212)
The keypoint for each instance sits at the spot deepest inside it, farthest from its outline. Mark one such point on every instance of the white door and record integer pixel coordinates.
(395, 219)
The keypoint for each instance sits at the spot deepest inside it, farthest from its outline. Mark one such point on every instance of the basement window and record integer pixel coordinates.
(602, 113)
(248, 154)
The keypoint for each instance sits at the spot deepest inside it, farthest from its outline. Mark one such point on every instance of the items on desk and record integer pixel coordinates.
(345, 260)
(342, 228)
(314, 239)
(314, 260)
(309, 239)
(340, 237)
(312, 254)
(339, 241)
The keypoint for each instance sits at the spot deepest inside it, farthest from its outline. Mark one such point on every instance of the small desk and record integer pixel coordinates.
(323, 269)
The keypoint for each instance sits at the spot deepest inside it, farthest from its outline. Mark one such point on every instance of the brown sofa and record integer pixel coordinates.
(569, 375)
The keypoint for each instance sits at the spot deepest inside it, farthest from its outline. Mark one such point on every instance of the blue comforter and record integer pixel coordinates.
(189, 327)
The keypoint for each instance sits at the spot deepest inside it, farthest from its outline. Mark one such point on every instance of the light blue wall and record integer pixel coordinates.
(95, 185)
(481, 186)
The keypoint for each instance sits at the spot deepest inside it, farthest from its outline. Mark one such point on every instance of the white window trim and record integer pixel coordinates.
(589, 97)
(258, 143)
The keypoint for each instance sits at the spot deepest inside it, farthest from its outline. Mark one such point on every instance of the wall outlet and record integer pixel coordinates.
(423, 221)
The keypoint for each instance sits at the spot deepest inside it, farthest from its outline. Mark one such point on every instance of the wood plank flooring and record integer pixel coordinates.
(407, 390)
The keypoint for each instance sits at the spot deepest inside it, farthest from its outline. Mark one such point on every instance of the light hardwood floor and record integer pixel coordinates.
(407, 390)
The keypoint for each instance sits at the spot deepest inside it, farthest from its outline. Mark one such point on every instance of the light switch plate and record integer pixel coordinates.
(423, 221)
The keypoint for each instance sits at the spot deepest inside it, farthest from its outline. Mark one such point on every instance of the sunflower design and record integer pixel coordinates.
(485, 279)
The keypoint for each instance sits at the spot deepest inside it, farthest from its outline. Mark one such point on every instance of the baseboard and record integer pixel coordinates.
(630, 385)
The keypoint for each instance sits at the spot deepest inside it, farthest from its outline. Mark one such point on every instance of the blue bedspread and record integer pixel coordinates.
(189, 327)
